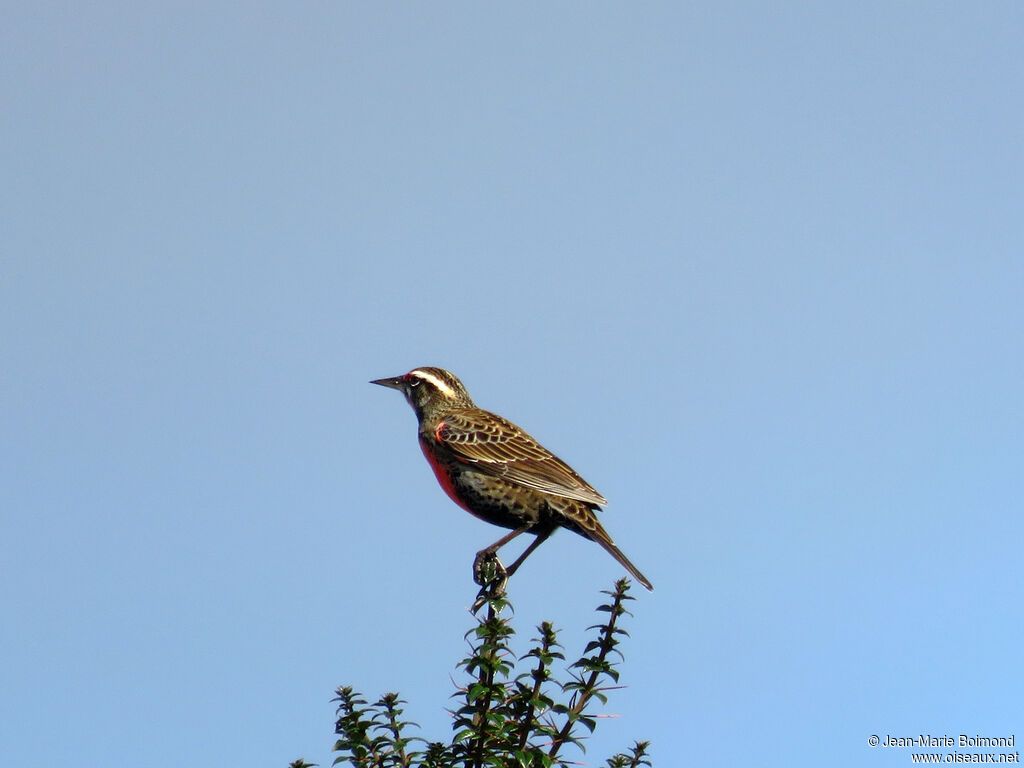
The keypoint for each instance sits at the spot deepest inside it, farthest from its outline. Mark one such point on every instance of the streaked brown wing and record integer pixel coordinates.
(500, 448)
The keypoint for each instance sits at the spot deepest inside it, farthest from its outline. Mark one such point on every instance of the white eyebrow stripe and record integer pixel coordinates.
(434, 380)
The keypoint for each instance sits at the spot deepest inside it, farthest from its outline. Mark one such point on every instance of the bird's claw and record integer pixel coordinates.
(489, 573)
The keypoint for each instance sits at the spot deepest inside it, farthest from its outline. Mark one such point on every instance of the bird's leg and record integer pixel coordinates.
(542, 536)
(487, 568)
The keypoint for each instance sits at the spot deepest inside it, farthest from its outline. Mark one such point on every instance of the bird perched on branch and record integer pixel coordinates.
(497, 472)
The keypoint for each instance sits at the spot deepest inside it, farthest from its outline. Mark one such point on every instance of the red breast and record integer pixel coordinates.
(443, 475)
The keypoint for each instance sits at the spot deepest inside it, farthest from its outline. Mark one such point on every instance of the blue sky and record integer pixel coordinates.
(755, 271)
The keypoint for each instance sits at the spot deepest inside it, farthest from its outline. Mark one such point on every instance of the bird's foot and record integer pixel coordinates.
(489, 573)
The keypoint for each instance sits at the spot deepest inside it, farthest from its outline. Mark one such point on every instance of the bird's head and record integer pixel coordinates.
(429, 390)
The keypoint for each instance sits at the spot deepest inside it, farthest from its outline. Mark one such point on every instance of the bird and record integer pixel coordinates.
(497, 472)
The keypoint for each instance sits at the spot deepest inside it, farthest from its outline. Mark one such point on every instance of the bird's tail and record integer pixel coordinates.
(581, 519)
(624, 561)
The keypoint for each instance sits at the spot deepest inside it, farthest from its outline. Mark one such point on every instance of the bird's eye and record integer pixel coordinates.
(415, 382)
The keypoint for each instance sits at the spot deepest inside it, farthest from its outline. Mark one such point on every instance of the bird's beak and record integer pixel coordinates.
(398, 382)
